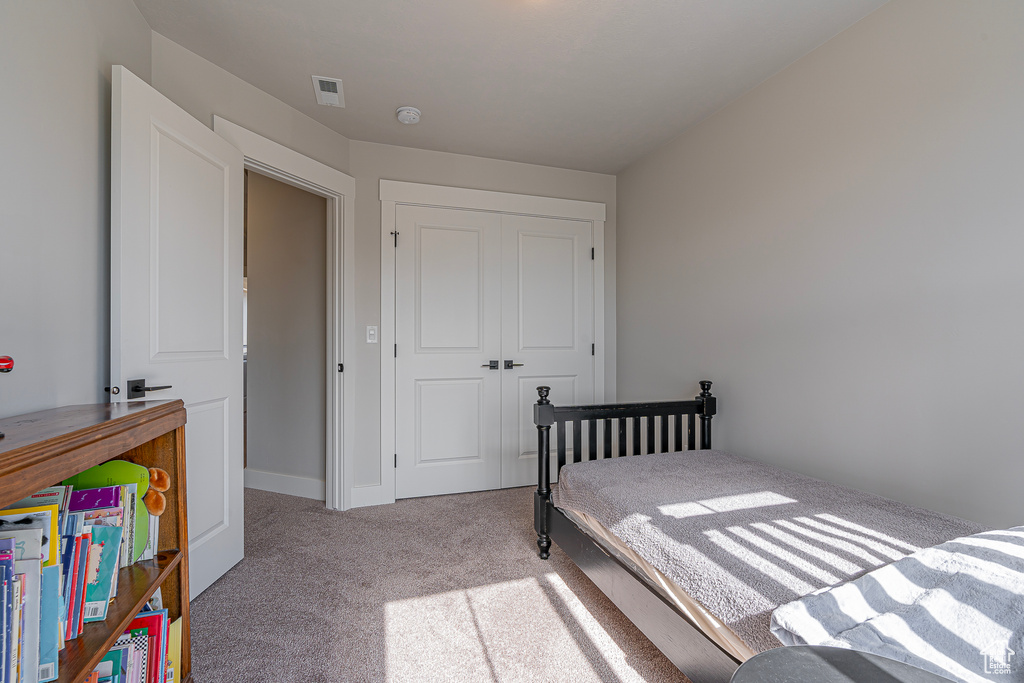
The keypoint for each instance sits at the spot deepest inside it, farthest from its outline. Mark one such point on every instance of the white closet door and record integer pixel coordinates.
(448, 327)
(176, 299)
(547, 327)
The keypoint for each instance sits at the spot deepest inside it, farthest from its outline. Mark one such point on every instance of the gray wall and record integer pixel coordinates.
(55, 193)
(369, 163)
(842, 251)
(287, 275)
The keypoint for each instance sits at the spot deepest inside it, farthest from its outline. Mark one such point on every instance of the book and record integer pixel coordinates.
(30, 570)
(114, 473)
(78, 585)
(105, 516)
(122, 668)
(49, 624)
(153, 542)
(102, 573)
(72, 586)
(28, 543)
(139, 639)
(7, 569)
(174, 652)
(40, 517)
(18, 604)
(153, 624)
(83, 561)
(53, 495)
(94, 499)
(27, 562)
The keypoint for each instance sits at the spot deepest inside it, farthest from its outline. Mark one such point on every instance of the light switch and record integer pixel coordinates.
(371, 334)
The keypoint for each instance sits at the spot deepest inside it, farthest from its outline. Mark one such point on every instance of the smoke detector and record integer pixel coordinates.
(328, 91)
(408, 114)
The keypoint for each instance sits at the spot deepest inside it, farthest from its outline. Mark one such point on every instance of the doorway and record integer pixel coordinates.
(284, 337)
(295, 171)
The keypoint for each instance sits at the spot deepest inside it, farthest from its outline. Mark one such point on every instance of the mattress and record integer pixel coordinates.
(728, 539)
(719, 633)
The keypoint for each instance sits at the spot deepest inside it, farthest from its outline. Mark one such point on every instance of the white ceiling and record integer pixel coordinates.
(582, 84)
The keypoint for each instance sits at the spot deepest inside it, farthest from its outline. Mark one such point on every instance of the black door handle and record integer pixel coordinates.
(490, 365)
(509, 365)
(137, 388)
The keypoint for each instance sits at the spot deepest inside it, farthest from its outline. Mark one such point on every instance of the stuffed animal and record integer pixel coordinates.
(159, 481)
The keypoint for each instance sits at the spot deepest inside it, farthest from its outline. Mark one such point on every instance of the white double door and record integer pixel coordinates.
(489, 306)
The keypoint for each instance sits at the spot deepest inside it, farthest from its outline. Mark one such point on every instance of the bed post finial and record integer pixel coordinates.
(543, 417)
(707, 412)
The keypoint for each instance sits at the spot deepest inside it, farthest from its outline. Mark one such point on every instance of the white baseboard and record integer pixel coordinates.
(286, 483)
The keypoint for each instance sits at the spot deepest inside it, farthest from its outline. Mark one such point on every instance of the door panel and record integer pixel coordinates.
(447, 303)
(547, 326)
(176, 308)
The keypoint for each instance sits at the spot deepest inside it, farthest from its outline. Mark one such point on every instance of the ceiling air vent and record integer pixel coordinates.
(328, 91)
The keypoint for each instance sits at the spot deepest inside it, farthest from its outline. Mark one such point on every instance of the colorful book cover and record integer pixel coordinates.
(131, 669)
(84, 561)
(153, 624)
(105, 516)
(5, 602)
(31, 588)
(28, 543)
(42, 517)
(95, 499)
(136, 534)
(174, 652)
(140, 639)
(106, 543)
(69, 599)
(121, 654)
(78, 589)
(109, 667)
(16, 622)
(54, 495)
(49, 624)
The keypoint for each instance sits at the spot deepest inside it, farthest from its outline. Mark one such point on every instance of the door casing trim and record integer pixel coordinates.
(288, 166)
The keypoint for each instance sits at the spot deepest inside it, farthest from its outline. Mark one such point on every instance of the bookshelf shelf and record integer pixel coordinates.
(40, 449)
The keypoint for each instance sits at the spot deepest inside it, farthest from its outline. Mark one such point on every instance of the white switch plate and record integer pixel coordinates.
(371, 334)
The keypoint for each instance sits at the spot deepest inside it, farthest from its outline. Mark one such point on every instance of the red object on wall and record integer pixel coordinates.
(6, 363)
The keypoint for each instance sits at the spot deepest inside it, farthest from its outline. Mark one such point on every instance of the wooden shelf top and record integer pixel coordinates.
(44, 430)
(40, 449)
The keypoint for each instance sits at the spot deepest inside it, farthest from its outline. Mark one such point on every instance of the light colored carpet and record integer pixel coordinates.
(431, 589)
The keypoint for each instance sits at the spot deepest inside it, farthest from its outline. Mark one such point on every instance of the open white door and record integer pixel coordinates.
(176, 299)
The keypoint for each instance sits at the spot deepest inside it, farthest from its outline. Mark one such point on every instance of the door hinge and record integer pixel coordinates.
(591, 253)
(396, 350)
(593, 348)
(341, 367)
(396, 461)
(395, 233)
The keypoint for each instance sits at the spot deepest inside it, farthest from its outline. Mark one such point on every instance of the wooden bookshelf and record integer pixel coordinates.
(44, 448)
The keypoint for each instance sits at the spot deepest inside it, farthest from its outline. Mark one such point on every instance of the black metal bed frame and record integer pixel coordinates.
(685, 644)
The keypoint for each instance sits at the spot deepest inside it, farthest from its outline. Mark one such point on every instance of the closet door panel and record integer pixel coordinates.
(547, 329)
(447, 304)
